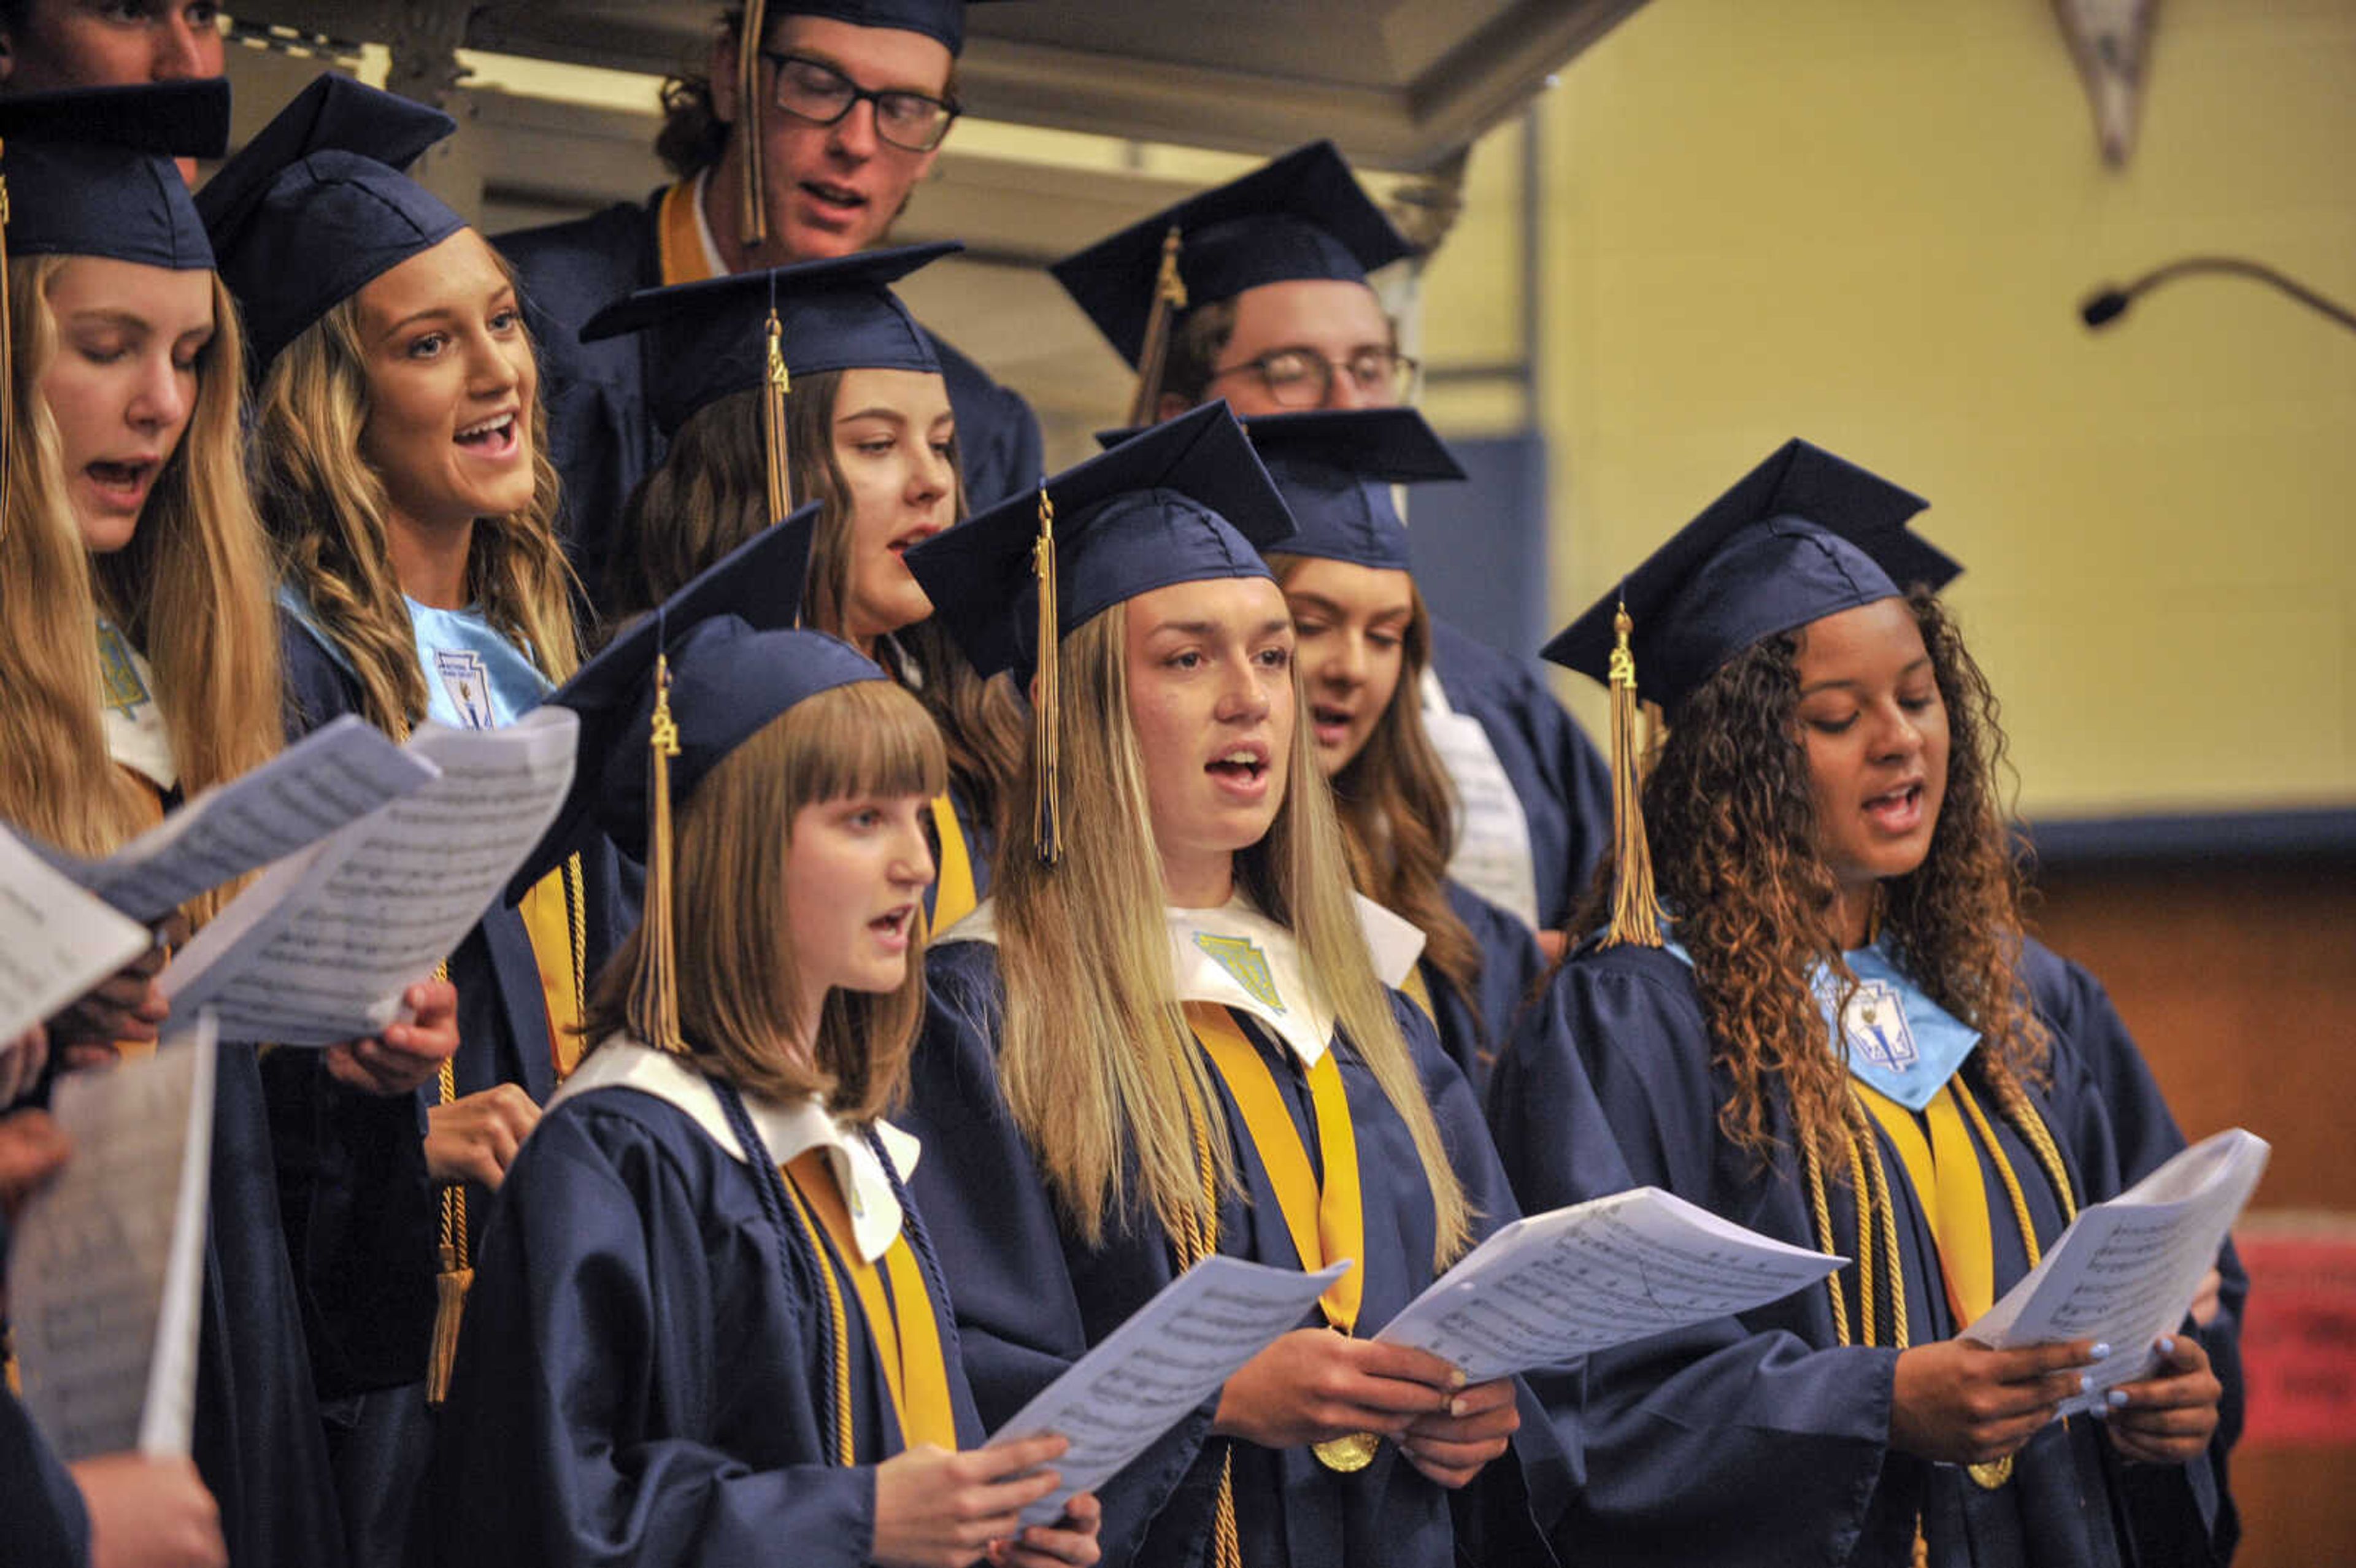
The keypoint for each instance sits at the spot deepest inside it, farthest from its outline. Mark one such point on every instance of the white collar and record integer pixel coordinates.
(789, 1130)
(1299, 1014)
(714, 266)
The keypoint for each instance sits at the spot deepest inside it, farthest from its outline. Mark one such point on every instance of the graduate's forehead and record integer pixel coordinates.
(1236, 608)
(877, 58)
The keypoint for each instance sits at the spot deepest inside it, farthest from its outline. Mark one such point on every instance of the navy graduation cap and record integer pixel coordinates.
(833, 315)
(1186, 501)
(1802, 535)
(90, 171)
(1335, 467)
(941, 19)
(758, 583)
(1301, 216)
(316, 206)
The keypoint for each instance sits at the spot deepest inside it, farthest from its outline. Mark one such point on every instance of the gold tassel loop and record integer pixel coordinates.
(654, 1001)
(1153, 357)
(1636, 912)
(773, 424)
(450, 1287)
(1048, 702)
(753, 212)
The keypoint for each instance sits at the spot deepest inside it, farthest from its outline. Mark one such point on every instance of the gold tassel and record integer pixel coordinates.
(1169, 298)
(1047, 829)
(773, 425)
(753, 221)
(1636, 913)
(1921, 1546)
(654, 1000)
(450, 1287)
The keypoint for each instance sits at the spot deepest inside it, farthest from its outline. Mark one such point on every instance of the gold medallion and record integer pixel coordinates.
(1992, 1475)
(1348, 1455)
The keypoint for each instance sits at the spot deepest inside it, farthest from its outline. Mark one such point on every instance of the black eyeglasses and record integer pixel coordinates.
(814, 90)
(1304, 378)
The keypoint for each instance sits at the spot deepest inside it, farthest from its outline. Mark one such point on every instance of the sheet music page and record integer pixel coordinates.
(2126, 1272)
(56, 941)
(319, 949)
(106, 1268)
(1492, 831)
(337, 773)
(1604, 1273)
(1172, 1354)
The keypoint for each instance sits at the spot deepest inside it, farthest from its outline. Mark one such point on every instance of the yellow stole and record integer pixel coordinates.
(954, 897)
(1418, 992)
(1944, 1170)
(900, 1321)
(678, 244)
(555, 919)
(1327, 1224)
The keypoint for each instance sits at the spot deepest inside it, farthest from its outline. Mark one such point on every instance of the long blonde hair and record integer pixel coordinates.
(327, 507)
(1099, 1067)
(739, 987)
(191, 590)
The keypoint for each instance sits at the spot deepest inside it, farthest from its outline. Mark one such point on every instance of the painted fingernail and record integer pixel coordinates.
(1456, 1377)
(2086, 1383)
(1456, 1407)
(2118, 1398)
(2101, 1351)
(2168, 1344)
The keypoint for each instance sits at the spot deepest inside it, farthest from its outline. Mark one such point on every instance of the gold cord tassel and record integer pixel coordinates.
(1636, 913)
(773, 425)
(1047, 829)
(457, 1275)
(1169, 298)
(753, 220)
(654, 998)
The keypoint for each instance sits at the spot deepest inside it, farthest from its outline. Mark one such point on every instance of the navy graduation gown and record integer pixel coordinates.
(363, 1215)
(1563, 782)
(1511, 965)
(1032, 1300)
(638, 1382)
(1758, 1439)
(601, 437)
(41, 1515)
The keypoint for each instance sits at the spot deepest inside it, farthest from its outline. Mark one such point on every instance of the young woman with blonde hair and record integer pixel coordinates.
(1169, 1032)
(399, 467)
(1833, 1030)
(868, 434)
(709, 1326)
(138, 666)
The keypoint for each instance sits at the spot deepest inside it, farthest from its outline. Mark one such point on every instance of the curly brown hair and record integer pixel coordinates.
(1732, 822)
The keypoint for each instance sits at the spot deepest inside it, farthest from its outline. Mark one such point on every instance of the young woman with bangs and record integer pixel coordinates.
(1169, 1032)
(871, 435)
(399, 464)
(1364, 649)
(1835, 1034)
(709, 1326)
(138, 666)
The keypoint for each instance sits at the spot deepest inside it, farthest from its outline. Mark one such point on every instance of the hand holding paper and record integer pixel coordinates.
(56, 941)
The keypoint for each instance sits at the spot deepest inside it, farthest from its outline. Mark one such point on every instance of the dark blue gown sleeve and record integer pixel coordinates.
(41, 1515)
(603, 1349)
(1021, 1322)
(998, 445)
(1736, 1442)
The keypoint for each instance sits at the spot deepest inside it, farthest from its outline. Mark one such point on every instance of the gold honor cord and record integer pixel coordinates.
(1197, 1238)
(777, 385)
(1047, 825)
(1636, 913)
(753, 220)
(846, 1449)
(1153, 355)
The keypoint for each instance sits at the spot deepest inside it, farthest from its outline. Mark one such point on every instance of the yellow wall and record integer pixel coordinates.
(1868, 222)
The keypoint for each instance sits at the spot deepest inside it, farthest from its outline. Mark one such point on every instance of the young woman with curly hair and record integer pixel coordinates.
(399, 467)
(1829, 1030)
(1365, 648)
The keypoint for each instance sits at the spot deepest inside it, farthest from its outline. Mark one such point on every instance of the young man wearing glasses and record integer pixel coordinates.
(851, 100)
(1269, 306)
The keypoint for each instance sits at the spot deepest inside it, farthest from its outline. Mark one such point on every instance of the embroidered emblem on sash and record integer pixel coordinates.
(468, 681)
(1244, 964)
(1876, 1027)
(118, 675)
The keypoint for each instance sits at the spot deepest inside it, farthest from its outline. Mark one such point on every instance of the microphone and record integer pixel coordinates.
(2110, 302)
